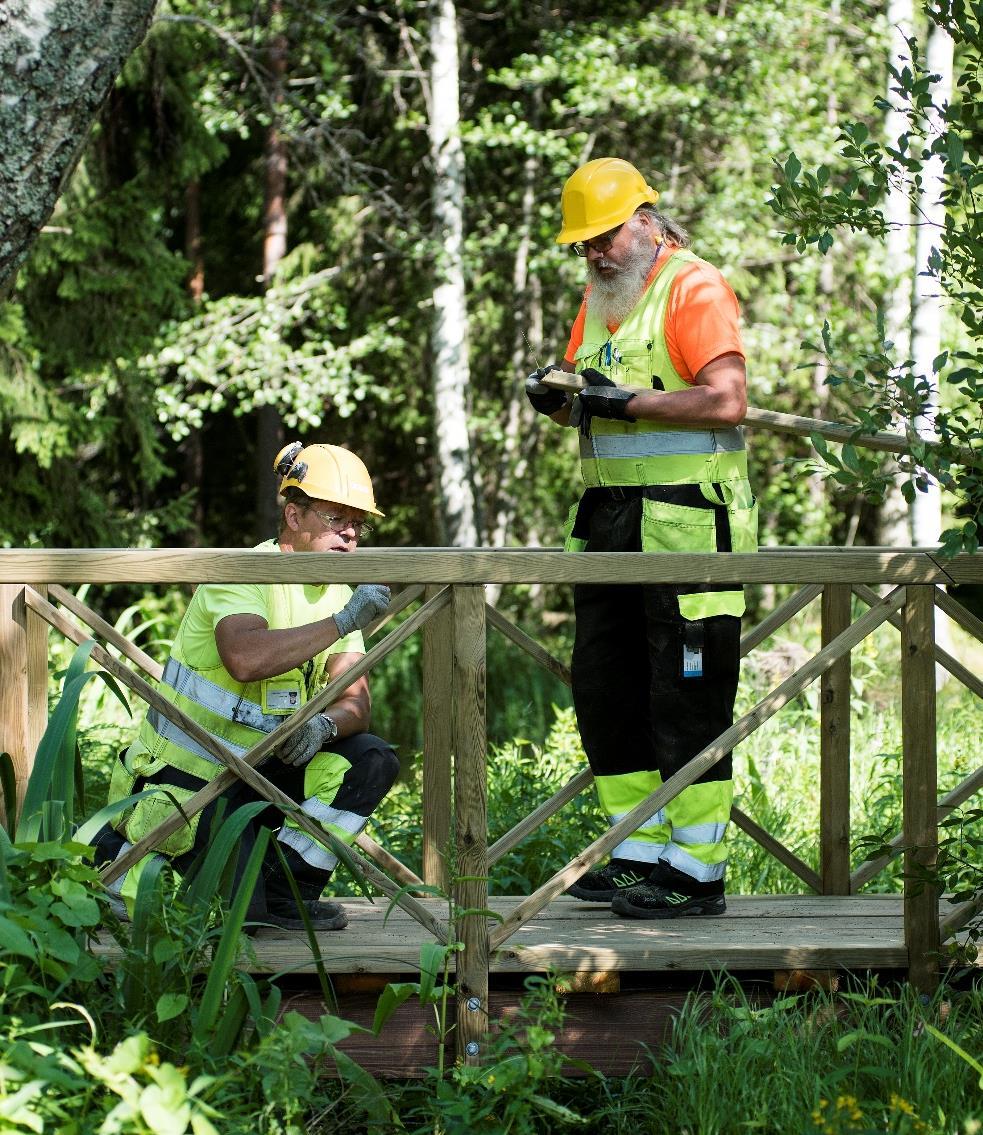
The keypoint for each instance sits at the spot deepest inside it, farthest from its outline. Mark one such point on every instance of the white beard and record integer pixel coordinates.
(612, 297)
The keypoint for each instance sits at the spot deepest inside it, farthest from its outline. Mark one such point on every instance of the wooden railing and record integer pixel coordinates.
(453, 618)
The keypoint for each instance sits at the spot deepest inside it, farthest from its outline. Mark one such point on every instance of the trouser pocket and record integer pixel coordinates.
(152, 811)
(701, 519)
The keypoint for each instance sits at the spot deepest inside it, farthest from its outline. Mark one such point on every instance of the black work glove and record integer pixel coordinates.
(545, 399)
(600, 398)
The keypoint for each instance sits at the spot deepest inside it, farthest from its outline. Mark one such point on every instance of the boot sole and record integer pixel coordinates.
(337, 923)
(715, 905)
(591, 896)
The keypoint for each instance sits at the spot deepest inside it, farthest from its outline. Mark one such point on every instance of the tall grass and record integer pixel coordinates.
(179, 1035)
(865, 1061)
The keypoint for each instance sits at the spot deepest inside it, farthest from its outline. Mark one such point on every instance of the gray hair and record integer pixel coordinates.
(671, 230)
(296, 496)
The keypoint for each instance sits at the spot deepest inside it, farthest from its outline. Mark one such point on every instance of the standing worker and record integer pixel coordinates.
(655, 667)
(246, 656)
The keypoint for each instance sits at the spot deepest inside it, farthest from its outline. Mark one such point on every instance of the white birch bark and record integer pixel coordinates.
(926, 331)
(58, 61)
(894, 523)
(451, 373)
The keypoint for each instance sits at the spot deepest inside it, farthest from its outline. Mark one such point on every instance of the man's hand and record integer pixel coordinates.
(368, 601)
(600, 398)
(544, 399)
(307, 741)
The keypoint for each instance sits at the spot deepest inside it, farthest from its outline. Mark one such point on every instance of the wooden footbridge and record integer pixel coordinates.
(442, 597)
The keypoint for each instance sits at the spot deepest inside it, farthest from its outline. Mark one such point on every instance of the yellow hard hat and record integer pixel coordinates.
(328, 473)
(600, 196)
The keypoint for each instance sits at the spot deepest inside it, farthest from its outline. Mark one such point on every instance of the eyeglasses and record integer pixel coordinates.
(340, 523)
(598, 243)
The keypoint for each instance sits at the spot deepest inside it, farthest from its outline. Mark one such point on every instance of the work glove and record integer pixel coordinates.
(368, 601)
(545, 399)
(309, 740)
(600, 398)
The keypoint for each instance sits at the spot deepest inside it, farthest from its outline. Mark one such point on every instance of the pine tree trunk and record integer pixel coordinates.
(58, 61)
(451, 372)
(192, 448)
(269, 426)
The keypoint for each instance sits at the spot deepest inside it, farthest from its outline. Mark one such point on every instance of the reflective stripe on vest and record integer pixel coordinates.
(230, 711)
(233, 707)
(647, 443)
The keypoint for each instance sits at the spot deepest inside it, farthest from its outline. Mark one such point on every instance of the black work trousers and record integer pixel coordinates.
(635, 708)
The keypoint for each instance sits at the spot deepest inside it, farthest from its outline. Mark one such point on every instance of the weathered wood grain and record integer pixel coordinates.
(919, 784)
(437, 803)
(834, 749)
(483, 565)
(470, 885)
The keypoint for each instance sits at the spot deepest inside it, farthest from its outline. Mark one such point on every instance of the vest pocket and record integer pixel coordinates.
(153, 810)
(743, 528)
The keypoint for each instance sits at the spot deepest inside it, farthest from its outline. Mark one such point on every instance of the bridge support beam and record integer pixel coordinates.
(920, 785)
(24, 683)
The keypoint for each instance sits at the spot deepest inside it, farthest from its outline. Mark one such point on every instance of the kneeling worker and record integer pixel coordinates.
(245, 656)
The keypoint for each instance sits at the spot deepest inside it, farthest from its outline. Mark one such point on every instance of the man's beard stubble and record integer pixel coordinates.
(612, 297)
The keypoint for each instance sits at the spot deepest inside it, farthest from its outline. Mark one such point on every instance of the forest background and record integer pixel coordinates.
(336, 222)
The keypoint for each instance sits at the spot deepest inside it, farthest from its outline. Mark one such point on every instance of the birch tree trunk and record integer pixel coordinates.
(926, 331)
(269, 426)
(58, 61)
(451, 374)
(895, 522)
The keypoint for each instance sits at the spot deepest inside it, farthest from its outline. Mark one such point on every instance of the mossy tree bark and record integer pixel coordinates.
(58, 61)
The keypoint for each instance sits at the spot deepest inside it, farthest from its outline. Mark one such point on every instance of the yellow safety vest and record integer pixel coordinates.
(620, 454)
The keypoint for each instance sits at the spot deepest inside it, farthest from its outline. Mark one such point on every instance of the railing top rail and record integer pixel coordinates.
(484, 565)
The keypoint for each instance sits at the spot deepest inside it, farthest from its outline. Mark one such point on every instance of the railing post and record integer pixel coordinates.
(438, 669)
(470, 820)
(920, 789)
(24, 685)
(834, 749)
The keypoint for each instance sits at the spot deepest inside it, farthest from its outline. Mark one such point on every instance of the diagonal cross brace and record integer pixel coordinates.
(244, 767)
(739, 731)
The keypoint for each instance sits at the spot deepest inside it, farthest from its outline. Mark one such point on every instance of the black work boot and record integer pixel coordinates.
(322, 915)
(669, 893)
(281, 907)
(609, 881)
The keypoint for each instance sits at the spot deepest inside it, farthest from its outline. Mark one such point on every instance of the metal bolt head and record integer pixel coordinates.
(471, 1048)
(474, 1004)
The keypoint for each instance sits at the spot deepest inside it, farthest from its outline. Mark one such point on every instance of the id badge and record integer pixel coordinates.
(282, 695)
(693, 650)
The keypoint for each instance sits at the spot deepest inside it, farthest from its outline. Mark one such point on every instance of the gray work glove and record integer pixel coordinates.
(600, 398)
(309, 740)
(545, 399)
(367, 603)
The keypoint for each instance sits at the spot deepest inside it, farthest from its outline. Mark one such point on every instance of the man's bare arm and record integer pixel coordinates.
(717, 398)
(250, 651)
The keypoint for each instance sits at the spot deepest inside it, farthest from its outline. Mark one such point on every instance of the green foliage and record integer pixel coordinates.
(169, 1051)
(121, 395)
(861, 1061)
(883, 388)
